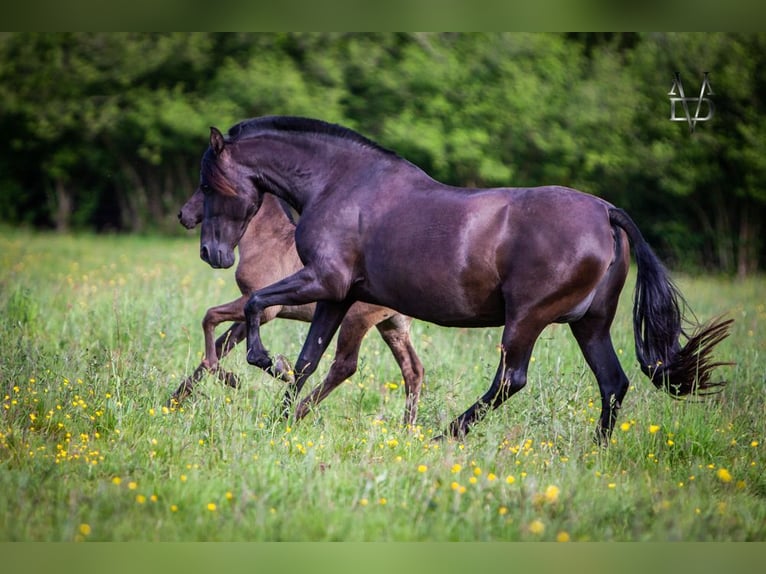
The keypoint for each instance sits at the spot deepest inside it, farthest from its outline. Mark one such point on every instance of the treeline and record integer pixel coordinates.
(105, 131)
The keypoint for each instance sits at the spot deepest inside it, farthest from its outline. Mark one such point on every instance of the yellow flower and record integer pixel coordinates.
(562, 537)
(510, 479)
(422, 468)
(382, 501)
(502, 511)
(723, 475)
(625, 427)
(211, 506)
(173, 508)
(229, 495)
(654, 428)
(84, 529)
(363, 502)
(140, 498)
(116, 481)
(132, 485)
(552, 493)
(536, 527)
(456, 468)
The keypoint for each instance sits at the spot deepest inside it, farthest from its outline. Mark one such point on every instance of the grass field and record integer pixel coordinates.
(98, 331)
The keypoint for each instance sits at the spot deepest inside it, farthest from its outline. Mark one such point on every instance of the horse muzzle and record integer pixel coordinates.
(216, 256)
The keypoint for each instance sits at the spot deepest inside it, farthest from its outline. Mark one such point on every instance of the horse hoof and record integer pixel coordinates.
(259, 359)
(283, 371)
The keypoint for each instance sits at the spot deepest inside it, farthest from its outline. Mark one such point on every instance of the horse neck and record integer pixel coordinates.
(269, 225)
(298, 168)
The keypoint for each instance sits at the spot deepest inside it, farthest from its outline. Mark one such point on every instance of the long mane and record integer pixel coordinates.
(256, 126)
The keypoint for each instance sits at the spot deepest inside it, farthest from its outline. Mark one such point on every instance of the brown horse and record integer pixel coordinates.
(267, 254)
(376, 228)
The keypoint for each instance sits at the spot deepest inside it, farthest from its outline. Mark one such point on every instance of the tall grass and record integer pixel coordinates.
(98, 331)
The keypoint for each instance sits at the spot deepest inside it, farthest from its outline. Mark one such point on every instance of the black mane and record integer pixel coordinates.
(253, 127)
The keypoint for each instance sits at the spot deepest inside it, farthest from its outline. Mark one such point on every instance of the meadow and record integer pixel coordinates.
(98, 331)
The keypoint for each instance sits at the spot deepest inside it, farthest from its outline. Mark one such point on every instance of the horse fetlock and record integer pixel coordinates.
(282, 369)
(259, 358)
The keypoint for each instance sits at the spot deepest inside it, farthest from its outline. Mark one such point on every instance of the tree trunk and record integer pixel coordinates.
(63, 207)
(747, 245)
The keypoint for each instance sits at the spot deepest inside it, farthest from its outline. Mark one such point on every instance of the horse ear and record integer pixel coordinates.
(216, 140)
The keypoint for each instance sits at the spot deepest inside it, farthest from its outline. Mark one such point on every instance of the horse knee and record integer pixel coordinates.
(514, 381)
(252, 307)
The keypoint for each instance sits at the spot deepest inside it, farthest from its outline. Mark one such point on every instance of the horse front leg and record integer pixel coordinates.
(300, 288)
(327, 318)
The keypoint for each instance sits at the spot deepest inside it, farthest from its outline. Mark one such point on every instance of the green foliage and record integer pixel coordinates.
(105, 131)
(99, 330)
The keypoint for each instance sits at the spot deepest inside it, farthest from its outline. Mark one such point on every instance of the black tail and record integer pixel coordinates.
(657, 324)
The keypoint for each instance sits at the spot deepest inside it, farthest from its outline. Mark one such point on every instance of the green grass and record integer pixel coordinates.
(98, 331)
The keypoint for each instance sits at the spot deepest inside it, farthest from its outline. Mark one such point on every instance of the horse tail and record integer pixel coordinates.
(657, 324)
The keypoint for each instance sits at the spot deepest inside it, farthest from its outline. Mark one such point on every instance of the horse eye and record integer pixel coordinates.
(205, 188)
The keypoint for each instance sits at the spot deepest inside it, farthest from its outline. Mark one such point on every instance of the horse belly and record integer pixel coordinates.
(434, 289)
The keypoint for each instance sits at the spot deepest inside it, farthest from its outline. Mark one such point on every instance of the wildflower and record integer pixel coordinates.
(382, 501)
(183, 478)
(625, 427)
(173, 508)
(456, 468)
(723, 475)
(510, 479)
(502, 511)
(84, 529)
(552, 493)
(211, 506)
(363, 502)
(536, 527)
(754, 443)
(116, 481)
(422, 468)
(140, 498)
(132, 485)
(562, 537)
(654, 428)
(612, 485)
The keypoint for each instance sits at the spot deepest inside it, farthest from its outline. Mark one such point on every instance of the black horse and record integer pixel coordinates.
(376, 228)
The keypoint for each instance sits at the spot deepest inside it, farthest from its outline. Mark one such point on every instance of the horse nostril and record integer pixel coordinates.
(204, 254)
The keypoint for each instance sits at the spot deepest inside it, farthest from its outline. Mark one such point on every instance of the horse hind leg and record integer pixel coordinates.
(592, 335)
(344, 364)
(511, 376)
(396, 333)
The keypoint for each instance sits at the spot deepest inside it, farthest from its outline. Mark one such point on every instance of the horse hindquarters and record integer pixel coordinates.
(592, 333)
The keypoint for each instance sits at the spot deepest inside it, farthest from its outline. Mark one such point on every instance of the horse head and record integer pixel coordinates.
(230, 200)
(192, 211)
